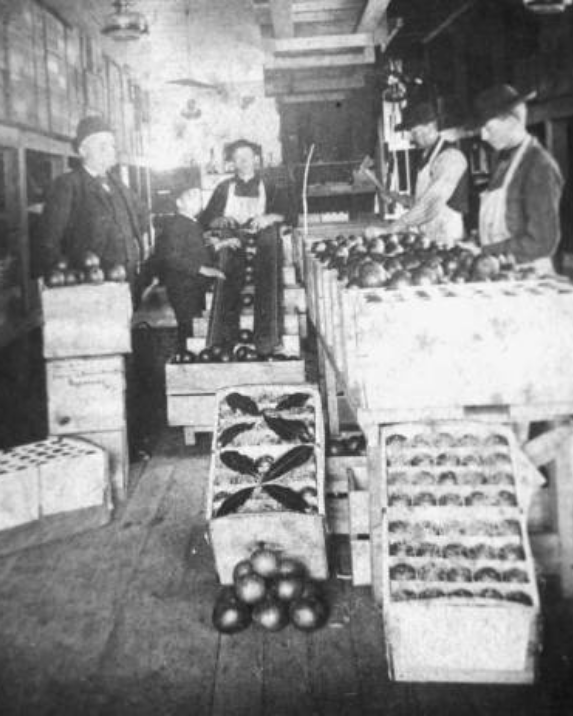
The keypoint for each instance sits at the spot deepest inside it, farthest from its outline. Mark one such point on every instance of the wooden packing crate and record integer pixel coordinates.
(49, 477)
(434, 632)
(114, 442)
(191, 388)
(206, 378)
(85, 394)
(300, 535)
(466, 345)
(196, 410)
(87, 320)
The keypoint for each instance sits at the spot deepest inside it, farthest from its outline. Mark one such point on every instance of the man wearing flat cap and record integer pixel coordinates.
(90, 209)
(245, 197)
(441, 191)
(519, 212)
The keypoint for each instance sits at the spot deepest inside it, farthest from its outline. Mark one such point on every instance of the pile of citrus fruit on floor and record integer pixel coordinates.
(270, 590)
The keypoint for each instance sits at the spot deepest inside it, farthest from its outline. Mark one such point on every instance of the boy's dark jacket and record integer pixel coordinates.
(181, 247)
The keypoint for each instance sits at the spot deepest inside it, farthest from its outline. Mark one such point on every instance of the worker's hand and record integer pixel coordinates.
(474, 249)
(231, 243)
(223, 222)
(211, 272)
(263, 221)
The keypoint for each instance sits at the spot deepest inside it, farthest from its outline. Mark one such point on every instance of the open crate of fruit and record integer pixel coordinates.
(266, 481)
(460, 599)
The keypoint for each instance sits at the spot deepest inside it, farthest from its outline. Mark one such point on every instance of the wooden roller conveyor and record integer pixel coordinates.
(268, 291)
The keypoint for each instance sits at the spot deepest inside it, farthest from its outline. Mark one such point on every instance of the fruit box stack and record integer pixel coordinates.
(266, 480)
(460, 600)
(87, 331)
(47, 478)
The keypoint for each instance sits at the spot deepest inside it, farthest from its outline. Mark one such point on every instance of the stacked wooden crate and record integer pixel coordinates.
(51, 75)
(51, 489)
(20, 43)
(191, 387)
(460, 599)
(268, 446)
(87, 333)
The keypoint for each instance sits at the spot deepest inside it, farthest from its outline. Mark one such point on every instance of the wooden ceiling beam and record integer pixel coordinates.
(314, 97)
(281, 16)
(365, 56)
(291, 83)
(320, 43)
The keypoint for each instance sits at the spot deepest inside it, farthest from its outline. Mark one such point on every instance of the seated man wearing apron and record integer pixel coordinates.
(246, 197)
(519, 212)
(441, 192)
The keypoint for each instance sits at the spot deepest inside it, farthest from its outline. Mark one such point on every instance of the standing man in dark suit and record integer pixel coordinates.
(90, 209)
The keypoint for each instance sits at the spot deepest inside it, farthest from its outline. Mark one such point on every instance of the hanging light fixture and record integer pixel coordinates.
(547, 7)
(124, 23)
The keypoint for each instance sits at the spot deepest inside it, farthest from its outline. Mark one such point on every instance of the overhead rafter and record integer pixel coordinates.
(319, 51)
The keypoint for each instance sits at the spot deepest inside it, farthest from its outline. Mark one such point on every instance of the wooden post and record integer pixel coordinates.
(562, 495)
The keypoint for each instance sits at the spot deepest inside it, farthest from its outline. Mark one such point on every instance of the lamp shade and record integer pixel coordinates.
(547, 7)
(124, 23)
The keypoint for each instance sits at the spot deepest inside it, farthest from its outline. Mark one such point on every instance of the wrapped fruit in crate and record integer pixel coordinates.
(266, 480)
(269, 415)
(460, 594)
(270, 589)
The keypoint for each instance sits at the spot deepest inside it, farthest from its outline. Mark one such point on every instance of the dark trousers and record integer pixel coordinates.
(187, 297)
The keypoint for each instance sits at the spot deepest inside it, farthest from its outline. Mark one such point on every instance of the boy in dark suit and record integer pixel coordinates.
(186, 263)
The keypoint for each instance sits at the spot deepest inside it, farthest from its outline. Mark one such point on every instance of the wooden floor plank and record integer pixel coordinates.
(333, 672)
(379, 694)
(239, 678)
(118, 621)
(287, 686)
(161, 657)
(69, 619)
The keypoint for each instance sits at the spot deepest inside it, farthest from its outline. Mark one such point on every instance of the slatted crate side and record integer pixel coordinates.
(75, 481)
(19, 494)
(115, 444)
(359, 531)
(463, 350)
(196, 410)
(86, 320)
(197, 378)
(235, 537)
(85, 394)
(347, 299)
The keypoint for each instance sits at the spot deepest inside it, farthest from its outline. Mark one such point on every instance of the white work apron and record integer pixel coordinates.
(492, 212)
(448, 227)
(244, 208)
